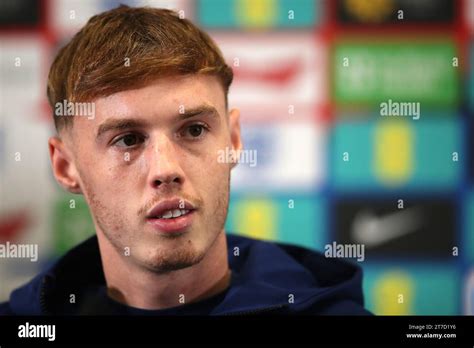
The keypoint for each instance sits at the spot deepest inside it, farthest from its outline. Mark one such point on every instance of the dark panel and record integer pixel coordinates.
(19, 13)
(422, 228)
(387, 12)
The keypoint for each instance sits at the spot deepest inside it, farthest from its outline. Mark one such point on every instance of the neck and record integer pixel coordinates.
(139, 287)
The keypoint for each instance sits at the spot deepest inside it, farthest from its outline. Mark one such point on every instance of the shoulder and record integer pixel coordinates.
(5, 309)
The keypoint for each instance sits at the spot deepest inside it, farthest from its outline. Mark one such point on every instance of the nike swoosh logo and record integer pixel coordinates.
(373, 230)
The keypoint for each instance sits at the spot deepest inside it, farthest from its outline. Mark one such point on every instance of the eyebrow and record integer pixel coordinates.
(112, 124)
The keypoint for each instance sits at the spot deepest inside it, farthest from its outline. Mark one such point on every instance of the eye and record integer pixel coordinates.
(129, 140)
(195, 131)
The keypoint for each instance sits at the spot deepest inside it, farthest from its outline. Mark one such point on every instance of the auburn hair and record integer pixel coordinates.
(126, 48)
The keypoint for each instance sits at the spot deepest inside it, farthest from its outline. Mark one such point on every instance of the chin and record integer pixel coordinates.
(164, 261)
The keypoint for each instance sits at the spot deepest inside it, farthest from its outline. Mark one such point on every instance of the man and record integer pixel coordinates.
(145, 157)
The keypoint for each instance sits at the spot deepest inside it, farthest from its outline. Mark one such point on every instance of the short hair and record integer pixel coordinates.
(126, 48)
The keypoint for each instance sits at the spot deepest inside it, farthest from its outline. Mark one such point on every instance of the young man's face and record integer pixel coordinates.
(150, 145)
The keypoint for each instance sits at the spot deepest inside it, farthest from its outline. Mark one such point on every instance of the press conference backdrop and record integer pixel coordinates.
(316, 82)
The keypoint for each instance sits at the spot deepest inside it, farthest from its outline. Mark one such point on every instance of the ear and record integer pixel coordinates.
(235, 138)
(64, 169)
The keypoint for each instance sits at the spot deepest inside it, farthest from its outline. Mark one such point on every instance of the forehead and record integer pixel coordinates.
(162, 98)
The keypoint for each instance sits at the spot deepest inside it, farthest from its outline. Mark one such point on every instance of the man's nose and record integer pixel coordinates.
(165, 169)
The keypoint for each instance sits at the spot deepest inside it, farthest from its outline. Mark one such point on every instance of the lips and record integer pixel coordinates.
(173, 215)
(175, 207)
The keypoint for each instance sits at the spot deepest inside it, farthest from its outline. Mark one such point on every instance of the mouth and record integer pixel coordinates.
(171, 216)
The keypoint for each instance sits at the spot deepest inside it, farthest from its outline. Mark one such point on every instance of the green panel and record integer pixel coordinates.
(371, 73)
(72, 222)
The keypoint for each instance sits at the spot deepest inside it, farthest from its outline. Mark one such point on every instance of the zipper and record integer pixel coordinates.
(42, 298)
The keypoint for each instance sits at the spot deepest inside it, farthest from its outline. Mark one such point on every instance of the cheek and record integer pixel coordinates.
(119, 171)
(215, 179)
(108, 186)
(109, 217)
(208, 170)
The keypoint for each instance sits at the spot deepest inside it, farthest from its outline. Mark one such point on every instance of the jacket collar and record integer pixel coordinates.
(266, 277)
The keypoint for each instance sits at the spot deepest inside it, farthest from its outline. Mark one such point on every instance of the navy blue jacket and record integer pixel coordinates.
(268, 278)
